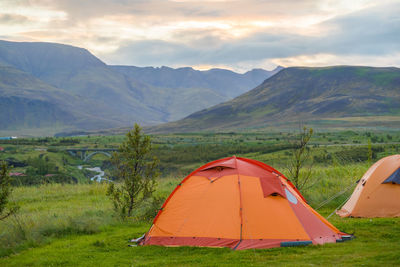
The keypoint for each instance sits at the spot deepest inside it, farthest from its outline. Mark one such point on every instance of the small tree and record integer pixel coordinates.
(6, 208)
(300, 155)
(136, 169)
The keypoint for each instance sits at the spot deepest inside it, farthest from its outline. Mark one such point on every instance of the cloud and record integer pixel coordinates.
(332, 59)
(372, 31)
(368, 33)
(231, 33)
(166, 8)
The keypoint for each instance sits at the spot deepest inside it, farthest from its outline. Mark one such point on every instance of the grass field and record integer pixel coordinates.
(376, 245)
(70, 225)
(74, 224)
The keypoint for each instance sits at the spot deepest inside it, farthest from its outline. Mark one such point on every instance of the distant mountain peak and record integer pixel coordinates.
(260, 70)
(278, 68)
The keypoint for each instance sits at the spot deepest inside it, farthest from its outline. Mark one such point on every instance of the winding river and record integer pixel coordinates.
(98, 177)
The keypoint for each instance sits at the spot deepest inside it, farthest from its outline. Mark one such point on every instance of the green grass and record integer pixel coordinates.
(70, 225)
(74, 224)
(52, 211)
(376, 243)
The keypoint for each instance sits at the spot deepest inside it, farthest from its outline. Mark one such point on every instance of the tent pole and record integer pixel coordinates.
(240, 206)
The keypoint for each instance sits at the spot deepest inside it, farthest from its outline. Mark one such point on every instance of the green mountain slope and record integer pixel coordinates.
(28, 103)
(303, 94)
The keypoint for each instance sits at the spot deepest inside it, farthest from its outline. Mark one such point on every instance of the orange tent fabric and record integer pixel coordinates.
(238, 203)
(377, 194)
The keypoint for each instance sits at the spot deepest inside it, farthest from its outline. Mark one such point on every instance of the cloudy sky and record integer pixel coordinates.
(235, 34)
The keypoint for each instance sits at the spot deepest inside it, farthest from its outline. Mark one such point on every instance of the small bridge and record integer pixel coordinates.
(87, 153)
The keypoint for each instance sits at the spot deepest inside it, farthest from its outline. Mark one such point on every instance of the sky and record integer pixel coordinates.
(235, 34)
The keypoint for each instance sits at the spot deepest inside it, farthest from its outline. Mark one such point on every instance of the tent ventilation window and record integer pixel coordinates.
(394, 178)
(217, 168)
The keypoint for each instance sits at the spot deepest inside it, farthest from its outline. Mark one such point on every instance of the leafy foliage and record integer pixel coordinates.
(6, 208)
(137, 171)
(41, 170)
(174, 158)
(40, 166)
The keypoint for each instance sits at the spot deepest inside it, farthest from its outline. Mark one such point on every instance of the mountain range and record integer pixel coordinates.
(47, 88)
(336, 96)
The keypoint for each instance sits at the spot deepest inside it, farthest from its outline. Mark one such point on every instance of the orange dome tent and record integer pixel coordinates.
(377, 194)
(238, 203)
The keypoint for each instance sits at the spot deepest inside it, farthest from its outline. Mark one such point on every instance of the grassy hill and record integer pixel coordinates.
(340, 95)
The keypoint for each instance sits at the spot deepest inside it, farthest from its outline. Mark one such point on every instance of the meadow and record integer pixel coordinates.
(73, 223)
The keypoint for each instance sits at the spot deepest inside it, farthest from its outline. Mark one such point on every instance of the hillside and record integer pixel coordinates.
(299, 94)
(27, 102)
(119, 95)
(24, 98)
(78, 72)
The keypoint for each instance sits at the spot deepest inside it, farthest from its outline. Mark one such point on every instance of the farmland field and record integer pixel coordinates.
(71, 222)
